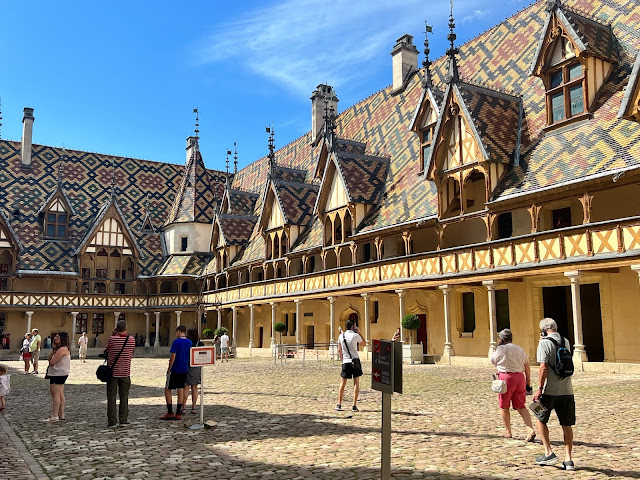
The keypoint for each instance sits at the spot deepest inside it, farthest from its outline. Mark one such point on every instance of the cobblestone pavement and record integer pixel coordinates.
(278, 422)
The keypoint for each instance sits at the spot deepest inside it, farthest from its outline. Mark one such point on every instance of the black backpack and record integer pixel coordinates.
(564, 359)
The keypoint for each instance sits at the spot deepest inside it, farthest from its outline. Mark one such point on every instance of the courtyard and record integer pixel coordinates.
(277, 421)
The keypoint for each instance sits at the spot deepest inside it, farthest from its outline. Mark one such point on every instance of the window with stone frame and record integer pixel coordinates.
(97, 324)
(81, 323)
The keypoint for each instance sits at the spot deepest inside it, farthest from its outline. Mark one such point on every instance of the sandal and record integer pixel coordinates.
(531, 437)
(51, 419)
(193, 410)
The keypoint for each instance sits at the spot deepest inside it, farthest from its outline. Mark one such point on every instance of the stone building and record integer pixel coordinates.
(489, 188)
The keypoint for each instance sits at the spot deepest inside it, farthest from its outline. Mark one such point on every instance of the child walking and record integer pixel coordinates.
(4, 386)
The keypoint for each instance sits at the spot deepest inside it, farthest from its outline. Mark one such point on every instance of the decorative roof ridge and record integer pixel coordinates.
(237, 191)
(59, 188)
(342, 155)
(277, 182)
(353, 142)
(484, 88)
(237, 216)
(586, 16)
(631, 85)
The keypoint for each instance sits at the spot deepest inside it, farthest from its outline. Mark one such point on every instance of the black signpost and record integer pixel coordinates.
(386, 376)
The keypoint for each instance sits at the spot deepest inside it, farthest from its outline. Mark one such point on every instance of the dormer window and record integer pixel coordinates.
(426, 138)
(565, 93)
(56, 220)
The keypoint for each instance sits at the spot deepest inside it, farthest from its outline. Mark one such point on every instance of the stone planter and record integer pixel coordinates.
(412, 353)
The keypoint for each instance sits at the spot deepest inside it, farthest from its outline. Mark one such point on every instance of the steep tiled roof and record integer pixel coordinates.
(297, 200)
(186, 264)
(364, 175)
(595, 37)
(496, 118)
(632, 88)
(86, 179)
(241, 203)
(236, 229)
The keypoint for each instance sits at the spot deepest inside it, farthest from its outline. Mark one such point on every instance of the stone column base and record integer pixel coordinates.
(447, 353)
(492, 348)
(579, 355)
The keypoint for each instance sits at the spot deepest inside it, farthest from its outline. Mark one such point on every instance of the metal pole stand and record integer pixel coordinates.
(197, 426)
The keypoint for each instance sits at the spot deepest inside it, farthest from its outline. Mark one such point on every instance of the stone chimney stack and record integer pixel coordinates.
(404, 58)
(27, 136)
(323, 92)
(191, 143)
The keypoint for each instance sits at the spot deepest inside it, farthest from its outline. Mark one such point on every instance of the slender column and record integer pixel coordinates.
(579, 353)
(491, 296)
(332, 316)
(178, 313)
(448, 346)
(401, 296)
(234, 326)
(146, 330)
(367, 322)
(116, 315)
(273, 323)
(29, 315)
(252, 309)
(298, 315)
(156, 344)
(219, 318)
(74, 316)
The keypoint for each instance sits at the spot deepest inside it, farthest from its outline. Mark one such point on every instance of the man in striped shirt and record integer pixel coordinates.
(121, 380)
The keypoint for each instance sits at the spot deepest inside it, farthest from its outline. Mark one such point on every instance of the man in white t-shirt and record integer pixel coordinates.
(351, 366)
(83, 342)
(224, 346)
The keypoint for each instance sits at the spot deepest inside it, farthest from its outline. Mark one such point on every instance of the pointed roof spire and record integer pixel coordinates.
(452, 51)
(272, 155)
(235, 158)
(226, 183)
(426, 63)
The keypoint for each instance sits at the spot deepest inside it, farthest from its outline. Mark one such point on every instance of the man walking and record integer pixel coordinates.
(224, 346)
(119, 346)
(177, 373)
(34, 349)
(351, 366)
(555, 393)
(83, 342)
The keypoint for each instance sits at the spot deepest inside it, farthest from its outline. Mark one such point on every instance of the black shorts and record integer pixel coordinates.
(59, 380)
(349, 372)
(176, 380)
(564, 405)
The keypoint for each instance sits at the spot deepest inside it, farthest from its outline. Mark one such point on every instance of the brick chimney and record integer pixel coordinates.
(318, 97)
(404, 58)
(191, 142)
(27, 136)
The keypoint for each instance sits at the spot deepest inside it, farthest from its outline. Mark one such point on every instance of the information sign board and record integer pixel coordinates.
(382, 366)
(200, 356)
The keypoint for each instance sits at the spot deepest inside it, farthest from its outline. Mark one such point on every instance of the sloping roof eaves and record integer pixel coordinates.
(632, 87)
(11, 231)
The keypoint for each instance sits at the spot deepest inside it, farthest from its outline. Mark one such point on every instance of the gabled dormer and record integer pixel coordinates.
(55, 214)
(630, 107)
(287, 211)
(424, 123)
(476, 139)
(231, 233)
(574, 58)
(351, 186)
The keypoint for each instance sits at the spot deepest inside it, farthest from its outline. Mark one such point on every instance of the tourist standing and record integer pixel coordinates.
(5, 386)
(177, 372)
(224, 346)
(555, 393)
(512, 364)
(24, 351)
(83, 343)
(194, 375)
(119, 350)
(351, 366)
(34, 349)
(57, 373)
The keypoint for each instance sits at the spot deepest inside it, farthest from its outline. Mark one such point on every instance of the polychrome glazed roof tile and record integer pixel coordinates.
(236, 229)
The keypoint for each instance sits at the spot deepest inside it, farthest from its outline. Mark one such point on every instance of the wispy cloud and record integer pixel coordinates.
(300, 43)
(475, 15)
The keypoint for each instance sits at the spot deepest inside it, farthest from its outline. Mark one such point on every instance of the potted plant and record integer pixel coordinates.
(411, 352)
(207, 333)
(280, 327)
(221, 331)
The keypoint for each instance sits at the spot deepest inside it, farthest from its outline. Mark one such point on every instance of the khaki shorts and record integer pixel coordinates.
(35, 356)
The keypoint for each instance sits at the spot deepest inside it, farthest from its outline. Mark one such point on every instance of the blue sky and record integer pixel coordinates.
(123, 77)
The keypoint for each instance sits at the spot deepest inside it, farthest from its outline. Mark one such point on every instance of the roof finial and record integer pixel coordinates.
(426, 63)
(226, 183)
(235, 158)
(272, 155)
(452, 51)
(329, 120)
(197, 129)
(553, 5)
(113, 179)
